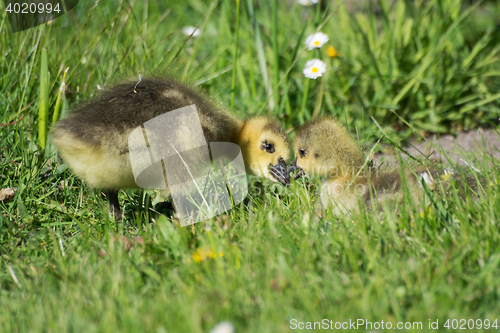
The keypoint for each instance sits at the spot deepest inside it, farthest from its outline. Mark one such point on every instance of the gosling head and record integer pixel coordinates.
(324, 148)
(262, 142)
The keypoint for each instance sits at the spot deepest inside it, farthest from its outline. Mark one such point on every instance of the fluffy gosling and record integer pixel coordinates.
(325, 148)
(93, 140)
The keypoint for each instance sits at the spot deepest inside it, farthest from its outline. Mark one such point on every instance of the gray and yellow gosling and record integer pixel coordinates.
(324, 148)
(93, 140)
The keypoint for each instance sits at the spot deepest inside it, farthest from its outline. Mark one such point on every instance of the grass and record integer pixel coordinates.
(66, 266)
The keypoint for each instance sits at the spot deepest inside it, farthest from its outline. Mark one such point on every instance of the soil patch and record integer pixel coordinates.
(467, 148)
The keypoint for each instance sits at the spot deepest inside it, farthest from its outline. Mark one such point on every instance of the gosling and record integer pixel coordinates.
(93, 140)
(325, 148)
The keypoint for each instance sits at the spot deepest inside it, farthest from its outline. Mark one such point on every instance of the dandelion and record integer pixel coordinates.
(314, 68)
(332, 52)
(316, 40)
(202, 254)
(307, 2)
(191, 31)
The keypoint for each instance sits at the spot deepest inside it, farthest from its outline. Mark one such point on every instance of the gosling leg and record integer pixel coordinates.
(114, 205)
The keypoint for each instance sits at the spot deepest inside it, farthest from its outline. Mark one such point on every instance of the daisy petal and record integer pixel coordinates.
(188, 31)
(307, 2)
(314, 68)
(316, 40)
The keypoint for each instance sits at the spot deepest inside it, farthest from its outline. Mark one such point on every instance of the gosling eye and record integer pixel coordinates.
(268, 147)
(302, 153)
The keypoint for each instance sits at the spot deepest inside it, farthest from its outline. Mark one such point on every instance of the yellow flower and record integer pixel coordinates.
(427, 211)
(448, 174)
(202, 254)
(332, 53)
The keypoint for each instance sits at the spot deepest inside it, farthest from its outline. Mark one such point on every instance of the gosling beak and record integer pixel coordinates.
(293, 166)
(281, 172)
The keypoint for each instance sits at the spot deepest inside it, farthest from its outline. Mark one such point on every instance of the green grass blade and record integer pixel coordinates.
(60, 93)
(43, 110)
(235, 59)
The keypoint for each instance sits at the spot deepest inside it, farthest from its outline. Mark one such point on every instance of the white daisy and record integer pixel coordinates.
(224, 327)
(188, 31)
(316, 40)
(427, 179)
(314, 68)
(307, 2)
